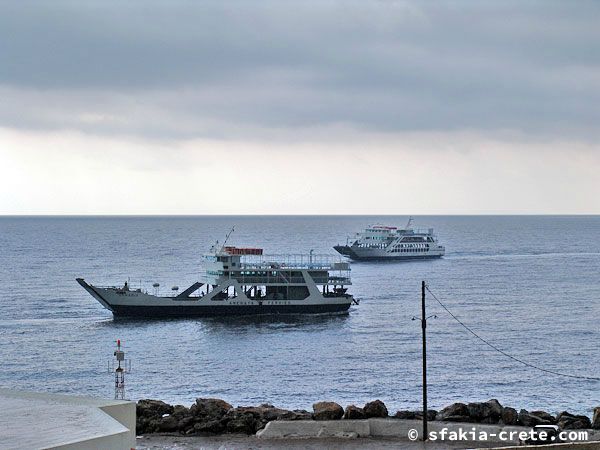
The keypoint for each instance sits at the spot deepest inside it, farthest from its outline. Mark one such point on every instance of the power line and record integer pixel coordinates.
(514, 358)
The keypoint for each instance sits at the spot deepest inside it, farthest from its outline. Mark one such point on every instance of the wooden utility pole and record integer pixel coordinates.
(424, 327)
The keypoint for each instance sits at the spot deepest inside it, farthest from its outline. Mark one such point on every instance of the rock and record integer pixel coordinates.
(327, 411)
(545, 416)
(354, 412)
(204, 416)
(457, 412)
(431, 414)
(185, 419)
(596, 419)
(528, 419)
(149, 415)
(416, 415)
(568, 421)
(485, 412)
(405, 415)
(250, 419)
(267, 405)
(509, 416)
(210, 408)
(152, 408)
(181, 411)
(167, 424)
(205, 427)
(243, 422)
(186, 424)
(296, 414)
(375, 409)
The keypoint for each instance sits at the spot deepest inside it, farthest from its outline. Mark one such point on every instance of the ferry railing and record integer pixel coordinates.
(130, 288)
(292, 261)
(293, 280)
(276, 277)
(338, 280)
(427, 231)
(250, 279)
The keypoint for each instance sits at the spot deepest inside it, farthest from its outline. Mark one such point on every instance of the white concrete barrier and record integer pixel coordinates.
(315, 428)
(400, 429)
(31, 420)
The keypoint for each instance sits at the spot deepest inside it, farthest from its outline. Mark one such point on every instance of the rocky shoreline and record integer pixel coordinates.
(215, 416)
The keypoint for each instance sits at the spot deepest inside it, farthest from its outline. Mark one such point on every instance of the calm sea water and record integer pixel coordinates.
(531, 285)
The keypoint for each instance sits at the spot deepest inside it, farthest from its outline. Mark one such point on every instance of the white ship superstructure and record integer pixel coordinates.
(389, 242)
(242, 281)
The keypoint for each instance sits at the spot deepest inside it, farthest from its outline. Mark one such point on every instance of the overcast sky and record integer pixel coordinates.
(277, 107)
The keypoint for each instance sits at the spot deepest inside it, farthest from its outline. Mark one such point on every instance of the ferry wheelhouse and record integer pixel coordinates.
(389, 242)
(242, 281)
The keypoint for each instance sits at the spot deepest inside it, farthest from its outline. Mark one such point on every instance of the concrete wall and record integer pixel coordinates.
(394, 428)
(124, 413)
(30, 420)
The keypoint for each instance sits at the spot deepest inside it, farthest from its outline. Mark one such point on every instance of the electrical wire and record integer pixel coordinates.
(514, 358)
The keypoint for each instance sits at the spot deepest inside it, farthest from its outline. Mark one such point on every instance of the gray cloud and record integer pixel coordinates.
(187, 69)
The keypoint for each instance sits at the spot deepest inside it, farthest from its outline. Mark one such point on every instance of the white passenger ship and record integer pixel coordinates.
(385, 242)
(241, 281)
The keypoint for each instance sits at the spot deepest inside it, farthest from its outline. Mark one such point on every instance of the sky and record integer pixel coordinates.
(299, 107)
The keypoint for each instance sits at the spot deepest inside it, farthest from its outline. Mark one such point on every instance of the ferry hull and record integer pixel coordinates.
(223, 311)
(381, 255)
(134, 303)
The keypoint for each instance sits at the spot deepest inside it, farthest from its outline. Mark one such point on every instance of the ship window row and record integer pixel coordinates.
(286, 273)
(214, 272)
(410, 250)
(413, 239)
(411, 246)
(372, 245)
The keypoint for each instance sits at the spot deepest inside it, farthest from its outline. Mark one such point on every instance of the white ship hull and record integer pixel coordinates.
(364, 254)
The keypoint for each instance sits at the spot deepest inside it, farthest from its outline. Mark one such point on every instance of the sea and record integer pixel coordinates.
(528, 285)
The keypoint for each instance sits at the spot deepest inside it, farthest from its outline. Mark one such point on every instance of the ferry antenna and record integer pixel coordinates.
(227, 236)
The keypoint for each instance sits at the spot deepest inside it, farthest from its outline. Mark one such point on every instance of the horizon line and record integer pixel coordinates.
(304, 215)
